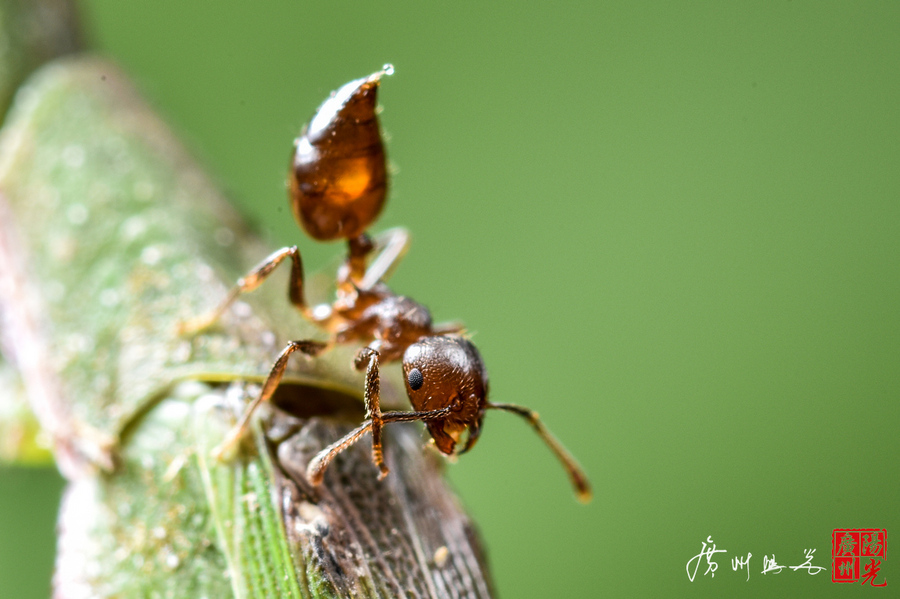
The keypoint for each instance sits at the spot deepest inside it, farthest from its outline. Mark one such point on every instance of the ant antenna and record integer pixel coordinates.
(576, 474)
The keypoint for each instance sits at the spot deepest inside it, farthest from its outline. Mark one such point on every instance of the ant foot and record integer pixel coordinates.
(195, 326)
(225, 450)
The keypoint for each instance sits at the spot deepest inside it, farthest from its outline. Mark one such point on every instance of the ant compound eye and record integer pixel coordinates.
(415, 379)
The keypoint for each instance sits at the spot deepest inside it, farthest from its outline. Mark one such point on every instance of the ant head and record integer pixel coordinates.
(338, 178)
(447, 371)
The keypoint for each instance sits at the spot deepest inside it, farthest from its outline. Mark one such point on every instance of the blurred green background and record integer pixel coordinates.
(673, 228)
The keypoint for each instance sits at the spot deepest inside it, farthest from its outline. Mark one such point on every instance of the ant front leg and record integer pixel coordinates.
(310, 348)
(315, 471)
(251, 281)
(367, 358)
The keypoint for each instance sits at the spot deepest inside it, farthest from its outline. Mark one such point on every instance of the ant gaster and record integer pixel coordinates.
(338, 184)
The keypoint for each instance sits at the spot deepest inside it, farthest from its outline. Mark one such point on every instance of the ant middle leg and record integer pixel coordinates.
(251, 281)
(309, 348)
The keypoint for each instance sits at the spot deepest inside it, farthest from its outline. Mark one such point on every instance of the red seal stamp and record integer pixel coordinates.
(858, 549)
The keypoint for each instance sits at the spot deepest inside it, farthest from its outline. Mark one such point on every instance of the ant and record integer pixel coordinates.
(338, 184)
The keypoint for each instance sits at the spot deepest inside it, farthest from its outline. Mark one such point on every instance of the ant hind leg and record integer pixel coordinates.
(251, 281)
(392, 245)
(310, 348)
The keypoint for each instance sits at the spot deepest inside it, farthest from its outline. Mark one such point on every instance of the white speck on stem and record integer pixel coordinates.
(73, 156)
(151, 255)
(440, 556)
(133, 228)
(268, 338)
(242, 309)
(77, 214)
(109, 298)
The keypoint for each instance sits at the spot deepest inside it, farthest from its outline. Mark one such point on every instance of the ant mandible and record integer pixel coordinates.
(338, 184)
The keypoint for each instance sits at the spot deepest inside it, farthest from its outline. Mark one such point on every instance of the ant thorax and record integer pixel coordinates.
(392, 321)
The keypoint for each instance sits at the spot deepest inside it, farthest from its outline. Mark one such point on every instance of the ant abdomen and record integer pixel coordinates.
(338, 179)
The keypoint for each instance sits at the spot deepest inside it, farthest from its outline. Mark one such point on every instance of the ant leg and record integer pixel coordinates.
(576, 474)
(392, 245)
(310, 348)
(251, 281)
(315, 471)
(368, 358)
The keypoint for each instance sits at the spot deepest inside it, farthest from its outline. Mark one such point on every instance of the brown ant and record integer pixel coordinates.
(338, 184)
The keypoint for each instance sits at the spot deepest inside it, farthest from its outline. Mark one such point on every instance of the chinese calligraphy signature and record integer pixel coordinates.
(740, 562)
